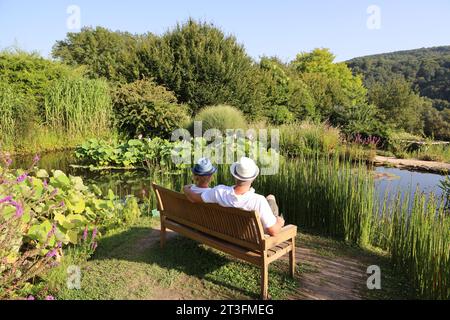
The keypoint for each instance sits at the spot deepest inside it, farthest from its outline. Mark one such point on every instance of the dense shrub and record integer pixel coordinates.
(221, 117)
(144, 108)
(280, 115)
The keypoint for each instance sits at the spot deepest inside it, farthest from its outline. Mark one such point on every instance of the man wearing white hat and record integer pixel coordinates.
(242, 195)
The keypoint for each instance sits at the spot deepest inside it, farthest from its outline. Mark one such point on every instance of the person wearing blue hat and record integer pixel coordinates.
(202, 175)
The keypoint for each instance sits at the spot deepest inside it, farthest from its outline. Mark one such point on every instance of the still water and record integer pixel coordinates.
(388, 180)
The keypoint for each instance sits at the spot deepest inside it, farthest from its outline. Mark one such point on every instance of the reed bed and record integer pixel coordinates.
(8, 105)
(78, 106)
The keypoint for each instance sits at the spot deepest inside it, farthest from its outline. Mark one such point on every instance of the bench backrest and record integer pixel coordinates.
(233, 225)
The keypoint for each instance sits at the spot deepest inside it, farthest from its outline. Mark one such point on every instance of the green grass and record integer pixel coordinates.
(126, 266)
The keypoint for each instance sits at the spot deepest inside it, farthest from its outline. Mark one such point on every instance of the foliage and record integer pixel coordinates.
(142, 107)
(221, 117)
(445, 187)
(286, 96)
(399, 105)
(416, 232)
(426, 69)
(330, 83)
(113, 55)
(78, 106)
(41, 214)
(195, 60)
(45, 104)
(304, 138)
(132, 153)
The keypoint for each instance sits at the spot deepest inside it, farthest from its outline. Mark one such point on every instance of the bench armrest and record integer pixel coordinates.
(286, 233)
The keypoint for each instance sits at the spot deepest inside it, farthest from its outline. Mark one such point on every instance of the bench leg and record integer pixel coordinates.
(292, 258)
(163, 234)
(264, 280)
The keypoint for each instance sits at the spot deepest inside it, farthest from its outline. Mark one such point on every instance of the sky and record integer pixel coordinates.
(283, 28)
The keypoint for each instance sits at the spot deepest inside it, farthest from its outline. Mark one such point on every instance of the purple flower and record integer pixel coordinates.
(45, 184)
(22, 178)
(30, 297)
(6, 199)
(94, 233)
(49, 298)
(51, 253)
(59, 245)
(36, 159)
(62, 204)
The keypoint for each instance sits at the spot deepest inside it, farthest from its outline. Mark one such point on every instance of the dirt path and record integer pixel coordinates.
(413, 164)
(332, 271)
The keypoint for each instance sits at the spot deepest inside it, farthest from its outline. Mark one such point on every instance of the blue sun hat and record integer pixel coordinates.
(204, 167)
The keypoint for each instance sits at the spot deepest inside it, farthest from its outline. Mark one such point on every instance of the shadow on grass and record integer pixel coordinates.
(141, 244)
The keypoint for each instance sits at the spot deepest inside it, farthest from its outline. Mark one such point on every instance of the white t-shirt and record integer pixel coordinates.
(199, 190)
(249, 201)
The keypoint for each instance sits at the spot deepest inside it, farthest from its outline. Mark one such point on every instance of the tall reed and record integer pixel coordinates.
(8, 118)
(78, 106)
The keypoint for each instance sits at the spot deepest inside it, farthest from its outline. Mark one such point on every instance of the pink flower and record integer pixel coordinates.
(51, 253)
(94, 233)
(6, 199)
(21, 178)
(49, 298)
(94, 246)
(36, 159)
(85, 233)
(30, 297)
(45, 184)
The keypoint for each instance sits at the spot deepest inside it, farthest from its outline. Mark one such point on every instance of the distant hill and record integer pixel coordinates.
(427, 68)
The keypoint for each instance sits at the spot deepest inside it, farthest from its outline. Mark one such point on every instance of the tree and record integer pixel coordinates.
(202, 66)
(331, 84)
(284, 93)
(400, 106)
(113, 55)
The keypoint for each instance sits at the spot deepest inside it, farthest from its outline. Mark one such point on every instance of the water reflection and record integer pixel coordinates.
(133, 182)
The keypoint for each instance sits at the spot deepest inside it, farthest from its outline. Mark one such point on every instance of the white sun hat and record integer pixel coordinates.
(245, 169)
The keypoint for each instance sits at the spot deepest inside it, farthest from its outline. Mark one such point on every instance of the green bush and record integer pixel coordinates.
(221, 117)
(144, 108)
(281, 115)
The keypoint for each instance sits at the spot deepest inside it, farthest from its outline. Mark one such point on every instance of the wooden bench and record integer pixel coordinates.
(230, 230)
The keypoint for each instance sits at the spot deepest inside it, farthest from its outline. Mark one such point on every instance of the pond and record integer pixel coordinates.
(133, 182)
